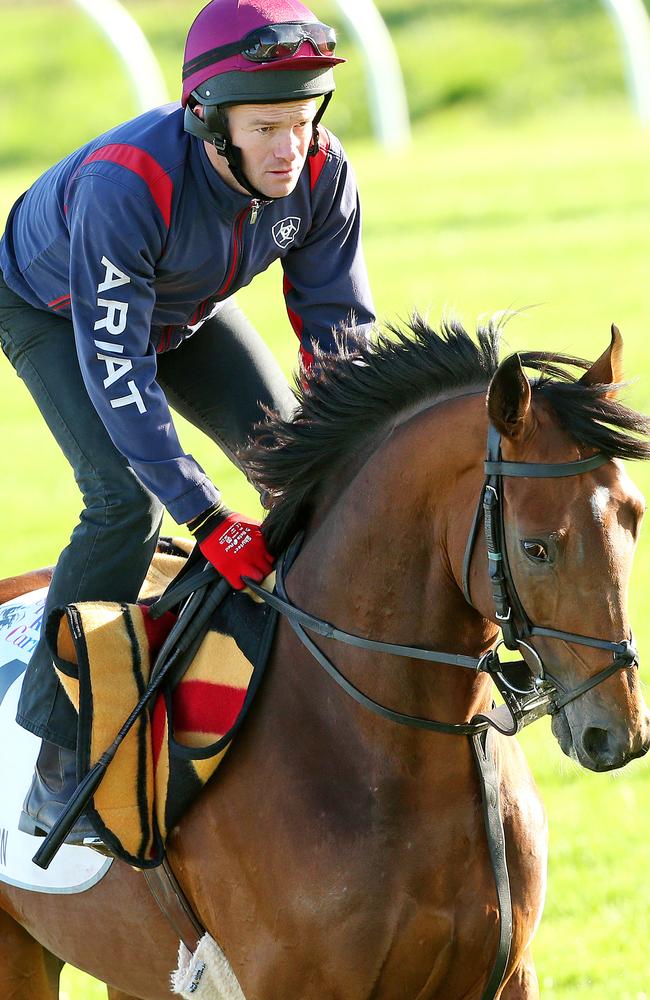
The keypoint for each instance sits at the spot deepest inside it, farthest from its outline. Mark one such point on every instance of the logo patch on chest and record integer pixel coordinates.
(285, 231)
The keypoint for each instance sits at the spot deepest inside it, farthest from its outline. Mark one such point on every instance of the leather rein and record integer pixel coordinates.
(528, 689)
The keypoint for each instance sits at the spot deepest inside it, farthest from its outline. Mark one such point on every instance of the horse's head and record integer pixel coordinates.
(379, 469)
(569, 543)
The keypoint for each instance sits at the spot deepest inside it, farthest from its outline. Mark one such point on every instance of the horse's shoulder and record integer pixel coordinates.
(16, 586)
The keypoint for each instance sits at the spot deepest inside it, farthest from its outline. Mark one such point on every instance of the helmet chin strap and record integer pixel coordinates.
(214, 129)
(313, 149)
(217, 124)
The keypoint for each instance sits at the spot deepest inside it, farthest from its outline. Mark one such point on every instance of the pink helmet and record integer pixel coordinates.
(257, 50)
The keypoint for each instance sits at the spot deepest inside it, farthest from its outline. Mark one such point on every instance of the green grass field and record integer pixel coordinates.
(527, 186)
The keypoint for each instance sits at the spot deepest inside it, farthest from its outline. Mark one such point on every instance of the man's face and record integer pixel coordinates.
(274, 140)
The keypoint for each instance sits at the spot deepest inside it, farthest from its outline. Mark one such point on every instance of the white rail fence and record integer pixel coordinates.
(633, 25)
(386, 91)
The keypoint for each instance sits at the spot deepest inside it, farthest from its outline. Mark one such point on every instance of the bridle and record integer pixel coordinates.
(528, 689)
(516, 628)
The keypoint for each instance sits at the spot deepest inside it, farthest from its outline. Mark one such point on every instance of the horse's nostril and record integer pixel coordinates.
(596, 742)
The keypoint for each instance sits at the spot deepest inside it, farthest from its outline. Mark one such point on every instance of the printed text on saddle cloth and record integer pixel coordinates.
(237, 548)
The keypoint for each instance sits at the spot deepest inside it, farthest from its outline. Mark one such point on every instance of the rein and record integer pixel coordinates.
(529, 691)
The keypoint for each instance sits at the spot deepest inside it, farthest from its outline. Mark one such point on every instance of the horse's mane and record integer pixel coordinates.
(353, 394)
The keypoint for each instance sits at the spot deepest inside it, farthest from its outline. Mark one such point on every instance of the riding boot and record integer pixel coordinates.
(54, 781)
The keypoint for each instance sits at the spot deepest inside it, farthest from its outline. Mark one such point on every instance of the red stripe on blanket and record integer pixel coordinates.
(202, 707)
(157, 629)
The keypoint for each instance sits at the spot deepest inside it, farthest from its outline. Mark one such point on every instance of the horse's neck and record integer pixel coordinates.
(378, 565)
(313, 771)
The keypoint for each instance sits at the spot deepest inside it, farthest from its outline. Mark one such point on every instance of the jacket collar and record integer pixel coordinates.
(226, 200)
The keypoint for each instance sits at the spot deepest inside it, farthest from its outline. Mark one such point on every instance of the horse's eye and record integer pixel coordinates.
(535, 550)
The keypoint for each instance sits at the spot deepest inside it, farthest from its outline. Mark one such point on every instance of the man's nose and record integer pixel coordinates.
(287, 146)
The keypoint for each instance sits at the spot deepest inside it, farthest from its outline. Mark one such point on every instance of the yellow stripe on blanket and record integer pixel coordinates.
(112, 658)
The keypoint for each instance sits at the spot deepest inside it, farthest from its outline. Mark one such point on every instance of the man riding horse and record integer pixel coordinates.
(118, 270)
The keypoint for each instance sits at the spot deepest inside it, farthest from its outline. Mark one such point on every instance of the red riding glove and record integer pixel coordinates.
(234, 544)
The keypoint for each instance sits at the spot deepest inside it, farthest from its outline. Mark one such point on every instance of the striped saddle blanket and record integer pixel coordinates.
(103, 654)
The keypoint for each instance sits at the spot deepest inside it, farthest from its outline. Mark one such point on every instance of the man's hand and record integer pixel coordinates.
(234, 544)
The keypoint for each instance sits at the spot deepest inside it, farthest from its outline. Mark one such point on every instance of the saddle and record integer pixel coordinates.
(104, 652)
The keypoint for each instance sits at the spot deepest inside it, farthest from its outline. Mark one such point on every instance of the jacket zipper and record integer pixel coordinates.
(236, 250)
(238, 229)
(256, 207)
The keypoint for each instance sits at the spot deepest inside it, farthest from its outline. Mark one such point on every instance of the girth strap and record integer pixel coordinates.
(174, 905)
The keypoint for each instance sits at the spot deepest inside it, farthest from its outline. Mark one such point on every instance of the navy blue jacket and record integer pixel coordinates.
(138, 240)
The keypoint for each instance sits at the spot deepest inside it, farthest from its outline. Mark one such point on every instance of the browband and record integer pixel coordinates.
(541, 470)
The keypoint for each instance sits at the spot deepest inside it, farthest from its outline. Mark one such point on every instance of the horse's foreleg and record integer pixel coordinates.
(523, 983)
(27, 969)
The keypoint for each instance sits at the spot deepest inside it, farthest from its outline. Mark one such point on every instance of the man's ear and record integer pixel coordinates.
(508, 399)
(608, 369)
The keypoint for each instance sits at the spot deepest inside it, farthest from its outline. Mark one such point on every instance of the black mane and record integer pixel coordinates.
(354, 394)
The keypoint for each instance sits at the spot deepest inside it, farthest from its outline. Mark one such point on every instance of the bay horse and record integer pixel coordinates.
(336, 855)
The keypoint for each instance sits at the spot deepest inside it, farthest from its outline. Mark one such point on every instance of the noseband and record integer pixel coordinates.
(528, 689)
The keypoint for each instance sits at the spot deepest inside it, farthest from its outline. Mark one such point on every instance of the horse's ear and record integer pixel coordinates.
(508, 398)
(608, 369)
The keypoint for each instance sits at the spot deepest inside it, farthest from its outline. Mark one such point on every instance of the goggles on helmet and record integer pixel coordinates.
(270, 43)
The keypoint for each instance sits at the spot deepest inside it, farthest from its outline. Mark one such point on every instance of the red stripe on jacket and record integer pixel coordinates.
(317, 162)
(297, 324)
(61, 301)
(144, 165)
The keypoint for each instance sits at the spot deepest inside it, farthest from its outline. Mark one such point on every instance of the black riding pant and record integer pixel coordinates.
(217, 380)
